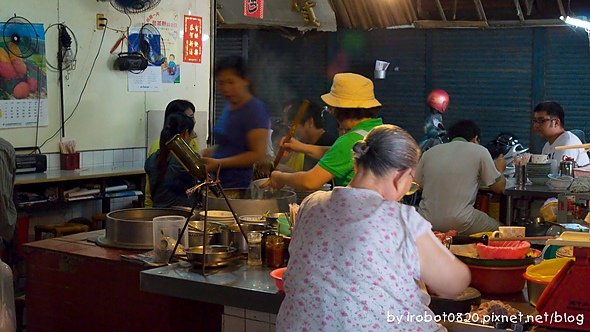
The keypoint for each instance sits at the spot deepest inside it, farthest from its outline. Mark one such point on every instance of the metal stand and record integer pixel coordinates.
(207, 184)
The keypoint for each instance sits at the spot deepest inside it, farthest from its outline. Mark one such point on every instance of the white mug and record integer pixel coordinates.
(509, 232)
(539, 158)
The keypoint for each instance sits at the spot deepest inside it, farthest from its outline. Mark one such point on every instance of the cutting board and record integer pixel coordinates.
(460, 304)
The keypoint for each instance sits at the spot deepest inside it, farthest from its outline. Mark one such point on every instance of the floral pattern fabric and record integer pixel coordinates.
(354, 266)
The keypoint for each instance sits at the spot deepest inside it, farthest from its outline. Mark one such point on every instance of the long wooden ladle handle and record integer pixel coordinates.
(567, 147)
(298, 118)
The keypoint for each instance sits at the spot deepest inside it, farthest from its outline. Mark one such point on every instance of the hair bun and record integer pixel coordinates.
(361, 148)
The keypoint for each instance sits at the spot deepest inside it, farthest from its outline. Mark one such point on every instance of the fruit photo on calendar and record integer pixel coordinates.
(22, 60)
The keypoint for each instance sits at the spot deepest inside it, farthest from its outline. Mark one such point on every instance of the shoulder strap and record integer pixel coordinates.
(361, 132)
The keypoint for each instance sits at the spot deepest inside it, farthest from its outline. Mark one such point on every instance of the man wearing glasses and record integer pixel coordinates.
(548, 123)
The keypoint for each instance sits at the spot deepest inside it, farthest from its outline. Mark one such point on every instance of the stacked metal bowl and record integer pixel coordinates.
(537, 173)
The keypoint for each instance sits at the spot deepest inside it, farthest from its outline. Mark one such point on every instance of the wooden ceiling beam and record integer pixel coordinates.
(480, 11)
(440, 10)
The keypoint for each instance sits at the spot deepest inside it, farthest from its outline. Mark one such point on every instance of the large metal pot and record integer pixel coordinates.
(133, 228)
(243, 204)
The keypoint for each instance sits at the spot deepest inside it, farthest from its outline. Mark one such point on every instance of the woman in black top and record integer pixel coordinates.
(167, 178)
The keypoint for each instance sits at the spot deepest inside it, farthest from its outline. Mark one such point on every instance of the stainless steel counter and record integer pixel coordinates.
(251, 287)
(239, 285)
(84, 173)
(527, 191)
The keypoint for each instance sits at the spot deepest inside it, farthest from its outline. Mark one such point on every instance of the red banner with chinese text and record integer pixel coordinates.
(193, 39)
(254, 8)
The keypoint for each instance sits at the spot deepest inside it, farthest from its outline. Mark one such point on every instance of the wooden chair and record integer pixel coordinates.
(60, 229)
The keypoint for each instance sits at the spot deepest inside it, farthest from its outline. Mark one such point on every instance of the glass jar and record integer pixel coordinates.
(275, 246)
(254, 248)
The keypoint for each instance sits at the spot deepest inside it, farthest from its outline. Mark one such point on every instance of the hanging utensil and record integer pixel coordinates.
(296, 121)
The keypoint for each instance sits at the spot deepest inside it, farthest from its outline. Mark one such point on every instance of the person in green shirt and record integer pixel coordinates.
(175, 106)
(355, 108)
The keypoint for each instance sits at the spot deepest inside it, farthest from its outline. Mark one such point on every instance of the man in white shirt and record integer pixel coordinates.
(548, 123)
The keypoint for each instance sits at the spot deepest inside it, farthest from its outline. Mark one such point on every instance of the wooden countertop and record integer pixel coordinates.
(81, 244)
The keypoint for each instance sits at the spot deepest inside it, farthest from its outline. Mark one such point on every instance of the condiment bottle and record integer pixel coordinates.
(254, 248)
(275, 246)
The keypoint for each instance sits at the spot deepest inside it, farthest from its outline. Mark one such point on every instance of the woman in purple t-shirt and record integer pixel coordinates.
(241, 132)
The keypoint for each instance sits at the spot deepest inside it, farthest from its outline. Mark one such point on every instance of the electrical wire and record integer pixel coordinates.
(118, 30)
(81, 92)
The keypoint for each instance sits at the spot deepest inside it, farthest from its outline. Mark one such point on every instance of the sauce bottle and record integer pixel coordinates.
(254, 248)
(275, 246)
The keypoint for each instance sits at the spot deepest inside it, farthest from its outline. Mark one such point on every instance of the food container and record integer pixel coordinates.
(549, 211)
(277, 275)
(235, 238)
(275, 247)
(539, 276)
(560, 182)
(272, 218)
(214, 231)
(503, 249)
(497, 279)
(215, 255)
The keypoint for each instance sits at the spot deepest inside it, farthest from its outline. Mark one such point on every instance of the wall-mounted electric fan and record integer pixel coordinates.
(20, 37)
(134, 6)
(151, 44)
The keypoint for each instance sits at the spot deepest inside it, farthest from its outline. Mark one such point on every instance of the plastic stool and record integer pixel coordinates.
(58, 230)
(102, 218)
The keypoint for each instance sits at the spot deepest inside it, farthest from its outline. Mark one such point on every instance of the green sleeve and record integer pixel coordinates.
(338, 160)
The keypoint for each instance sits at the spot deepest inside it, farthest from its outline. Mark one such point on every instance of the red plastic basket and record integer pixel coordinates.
(503, 249)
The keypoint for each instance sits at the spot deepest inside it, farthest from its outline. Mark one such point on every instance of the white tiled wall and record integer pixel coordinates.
(241, 320)
(120, 157)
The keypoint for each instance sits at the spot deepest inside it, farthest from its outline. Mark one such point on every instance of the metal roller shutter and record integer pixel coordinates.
(287, 68)
(487, 74)
(566, 74)
(402, 92)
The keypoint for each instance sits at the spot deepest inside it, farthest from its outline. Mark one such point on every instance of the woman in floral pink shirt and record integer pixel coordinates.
(357, 255)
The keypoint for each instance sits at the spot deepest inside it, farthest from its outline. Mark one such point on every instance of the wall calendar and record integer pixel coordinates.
(23, 80)
(23, 113)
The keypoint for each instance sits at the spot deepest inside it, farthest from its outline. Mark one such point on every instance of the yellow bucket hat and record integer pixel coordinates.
(351, 91)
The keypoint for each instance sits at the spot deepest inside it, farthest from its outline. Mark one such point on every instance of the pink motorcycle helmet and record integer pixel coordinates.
(438, 99)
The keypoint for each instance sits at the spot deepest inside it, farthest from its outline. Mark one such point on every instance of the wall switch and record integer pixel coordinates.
(100, 22)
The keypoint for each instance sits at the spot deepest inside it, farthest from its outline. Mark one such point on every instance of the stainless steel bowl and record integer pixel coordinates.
(214, 231)
(215, 255)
